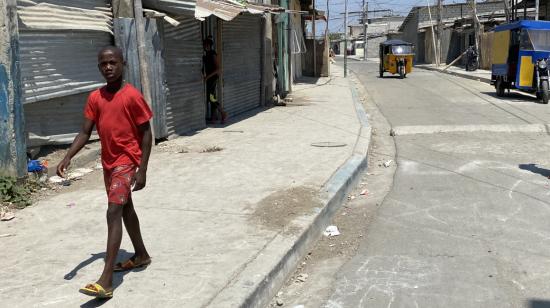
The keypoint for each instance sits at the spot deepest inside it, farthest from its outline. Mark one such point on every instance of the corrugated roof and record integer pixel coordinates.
(174, 7)
(228, 9)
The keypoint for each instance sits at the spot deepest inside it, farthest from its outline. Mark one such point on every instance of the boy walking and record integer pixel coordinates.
(122, 117)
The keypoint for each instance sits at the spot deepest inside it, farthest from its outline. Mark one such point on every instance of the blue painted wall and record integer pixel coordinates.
(18, 117)
(5, 147)
(13, 158)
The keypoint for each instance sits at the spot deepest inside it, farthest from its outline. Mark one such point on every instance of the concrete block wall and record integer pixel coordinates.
(459, 10)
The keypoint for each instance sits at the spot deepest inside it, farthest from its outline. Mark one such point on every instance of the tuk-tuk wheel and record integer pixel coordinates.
(544, 94)
(499, 86)
(380, 71)
(401, 72)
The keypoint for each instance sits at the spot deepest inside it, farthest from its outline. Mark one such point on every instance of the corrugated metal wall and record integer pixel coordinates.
(94, 15)
(54, 121)
(59, 41)
(186, 104)
(155, 57)
(242, 65)
(60, 63)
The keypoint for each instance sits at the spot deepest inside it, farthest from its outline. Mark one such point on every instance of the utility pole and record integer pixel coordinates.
(433, 33)
(142, 54)
(314, 41)
(475, 20)
(537, 9)
(439, 29)
(507, 10)
(346, 39)
(365, 21)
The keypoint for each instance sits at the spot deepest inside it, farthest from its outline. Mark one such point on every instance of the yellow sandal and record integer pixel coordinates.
(94, 289)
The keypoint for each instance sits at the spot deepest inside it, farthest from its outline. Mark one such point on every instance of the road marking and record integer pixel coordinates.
(492, 128)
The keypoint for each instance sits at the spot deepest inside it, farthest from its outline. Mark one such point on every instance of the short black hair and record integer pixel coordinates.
(115, 50)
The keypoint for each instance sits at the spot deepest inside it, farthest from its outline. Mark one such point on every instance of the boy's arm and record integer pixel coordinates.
(146, 143)
(79, 142)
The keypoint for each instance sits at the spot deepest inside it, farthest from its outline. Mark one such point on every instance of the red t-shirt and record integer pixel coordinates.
(117, 117)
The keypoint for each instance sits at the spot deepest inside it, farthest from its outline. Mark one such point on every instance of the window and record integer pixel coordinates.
(537, 40)
(525, 41)
(401, 49)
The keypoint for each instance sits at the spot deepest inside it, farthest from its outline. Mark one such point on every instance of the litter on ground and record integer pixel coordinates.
(56, 179)
(331, 231)
(6, 216)
(302, 278)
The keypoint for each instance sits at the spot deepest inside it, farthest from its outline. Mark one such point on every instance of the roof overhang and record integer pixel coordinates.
(229, 9)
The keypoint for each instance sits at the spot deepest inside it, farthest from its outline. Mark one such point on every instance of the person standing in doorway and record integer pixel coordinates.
(210, 73)
(122, 118)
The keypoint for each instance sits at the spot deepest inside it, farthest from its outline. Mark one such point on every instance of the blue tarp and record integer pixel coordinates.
(526, 24)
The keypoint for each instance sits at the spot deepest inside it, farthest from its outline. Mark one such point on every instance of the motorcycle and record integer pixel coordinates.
(542, 75)
(472, 57)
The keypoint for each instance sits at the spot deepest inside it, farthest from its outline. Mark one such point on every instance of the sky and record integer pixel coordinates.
(399, 7)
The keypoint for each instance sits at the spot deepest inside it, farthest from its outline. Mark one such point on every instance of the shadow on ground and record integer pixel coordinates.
(533, 168)
(118, 278)
(391, 77)
(514, 97)
(537, 303)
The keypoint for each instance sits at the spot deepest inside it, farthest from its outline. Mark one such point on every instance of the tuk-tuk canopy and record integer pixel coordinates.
(525, 24)
(396, 42)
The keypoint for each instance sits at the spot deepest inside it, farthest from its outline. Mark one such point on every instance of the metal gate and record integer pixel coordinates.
(242, 64)
(186, 107)
(59, 40)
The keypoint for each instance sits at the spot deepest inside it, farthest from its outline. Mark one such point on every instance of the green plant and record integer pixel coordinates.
(16, 192)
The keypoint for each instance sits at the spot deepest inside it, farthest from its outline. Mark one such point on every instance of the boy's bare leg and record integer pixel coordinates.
(131, 221)
(114, 237)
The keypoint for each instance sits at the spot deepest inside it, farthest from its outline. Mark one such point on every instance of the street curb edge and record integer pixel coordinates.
(476, 78)
(335, 192)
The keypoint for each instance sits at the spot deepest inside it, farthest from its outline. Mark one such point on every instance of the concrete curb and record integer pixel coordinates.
(333, 193)
(454, 73)
(490, 128)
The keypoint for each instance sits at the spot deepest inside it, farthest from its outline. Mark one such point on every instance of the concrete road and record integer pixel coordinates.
(465, 222)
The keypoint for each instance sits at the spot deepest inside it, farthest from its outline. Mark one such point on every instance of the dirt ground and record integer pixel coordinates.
(278, 209)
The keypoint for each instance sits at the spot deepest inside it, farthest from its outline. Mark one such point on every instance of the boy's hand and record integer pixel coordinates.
(62, 167)
(140, 180)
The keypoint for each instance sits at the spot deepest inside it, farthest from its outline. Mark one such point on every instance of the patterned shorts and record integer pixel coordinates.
(118, 182)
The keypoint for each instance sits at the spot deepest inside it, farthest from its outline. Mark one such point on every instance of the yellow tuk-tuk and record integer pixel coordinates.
(396, 57)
